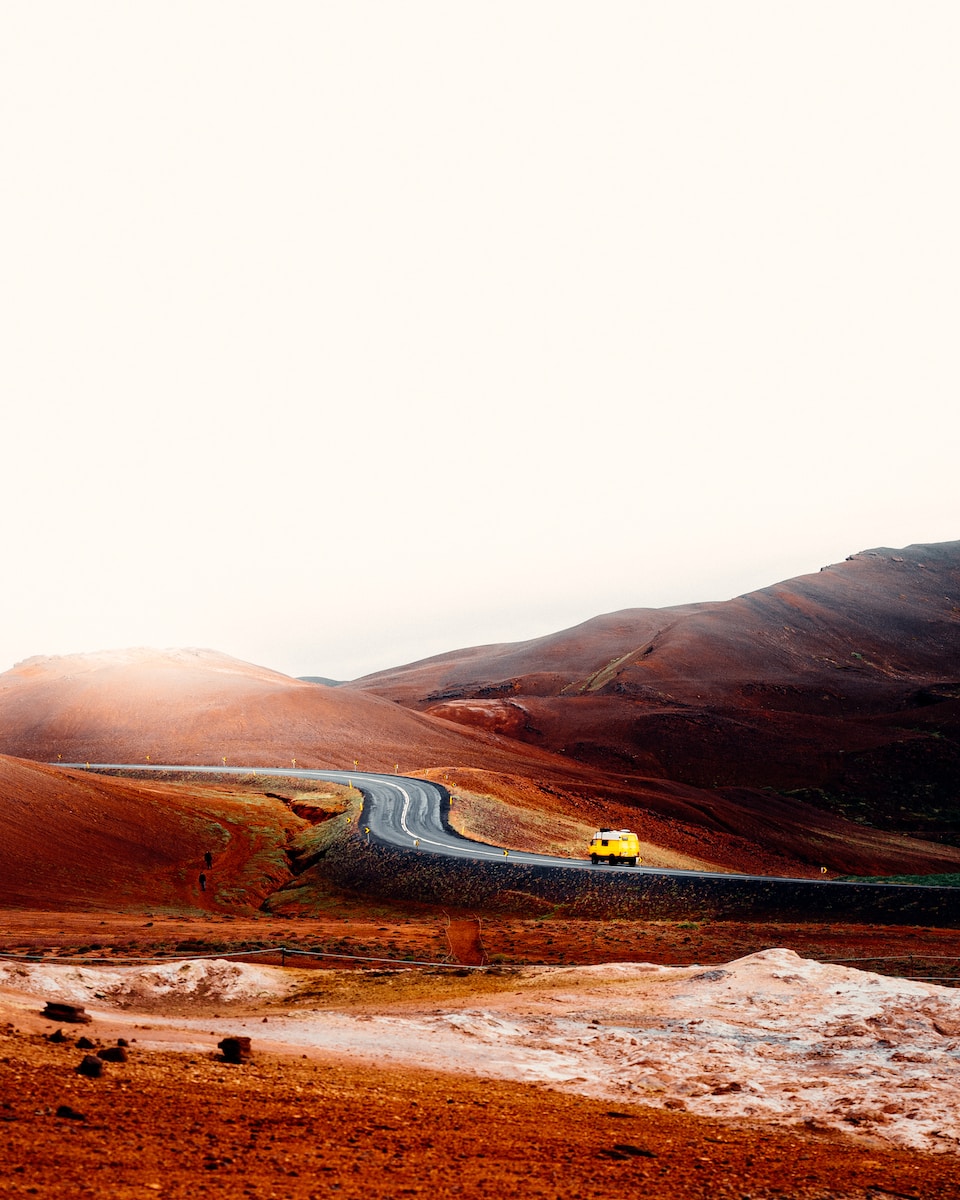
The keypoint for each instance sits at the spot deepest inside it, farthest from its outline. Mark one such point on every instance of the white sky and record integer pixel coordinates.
(335, 335)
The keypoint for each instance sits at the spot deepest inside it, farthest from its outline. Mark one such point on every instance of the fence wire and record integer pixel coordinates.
(285, 951)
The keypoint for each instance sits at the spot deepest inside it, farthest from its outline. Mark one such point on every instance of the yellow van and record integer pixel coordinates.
(615, 846)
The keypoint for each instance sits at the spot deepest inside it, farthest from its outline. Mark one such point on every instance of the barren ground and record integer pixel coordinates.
(771, 1075)
(682, 1058)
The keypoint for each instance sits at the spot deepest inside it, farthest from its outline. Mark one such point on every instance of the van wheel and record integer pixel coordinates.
(632, 862)
(594, 859)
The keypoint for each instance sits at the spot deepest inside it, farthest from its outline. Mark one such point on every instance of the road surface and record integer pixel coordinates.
(402, 811)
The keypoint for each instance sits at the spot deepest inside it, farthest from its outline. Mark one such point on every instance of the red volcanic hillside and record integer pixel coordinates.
(741, 733)
(75, 840)
(863, 631)
(200, 707)
(843, 685)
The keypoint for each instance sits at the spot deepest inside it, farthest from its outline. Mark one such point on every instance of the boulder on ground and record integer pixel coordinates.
(69, 1113)
(56, 1010)
(235, 1049)
(113, 1054)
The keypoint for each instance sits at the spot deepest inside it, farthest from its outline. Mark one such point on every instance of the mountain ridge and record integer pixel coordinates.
(795, 716)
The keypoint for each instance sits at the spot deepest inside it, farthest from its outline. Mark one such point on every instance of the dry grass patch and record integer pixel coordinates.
(497, 821)
(519, 815)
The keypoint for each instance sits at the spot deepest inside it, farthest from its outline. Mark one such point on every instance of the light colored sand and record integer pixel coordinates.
(770, 1037)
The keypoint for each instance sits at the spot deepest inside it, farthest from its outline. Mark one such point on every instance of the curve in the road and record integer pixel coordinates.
(408, 813)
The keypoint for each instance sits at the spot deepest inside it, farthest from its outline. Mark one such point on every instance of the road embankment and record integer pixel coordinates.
(397, 873)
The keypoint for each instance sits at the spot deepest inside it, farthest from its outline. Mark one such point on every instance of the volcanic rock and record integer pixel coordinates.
(235, 1049)
(55, 1010)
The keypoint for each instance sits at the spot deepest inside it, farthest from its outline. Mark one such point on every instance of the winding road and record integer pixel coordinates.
(407, 817)
(401, 811)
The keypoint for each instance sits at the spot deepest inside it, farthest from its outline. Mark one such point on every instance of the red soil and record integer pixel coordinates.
(295, 1127)
(878, 624)
(675, 718)
(177, 1125)
(694, 720)
(72, 840)
(846, 682)
(200, 707)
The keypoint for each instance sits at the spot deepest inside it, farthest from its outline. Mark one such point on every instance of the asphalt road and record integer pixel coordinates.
(401, 811)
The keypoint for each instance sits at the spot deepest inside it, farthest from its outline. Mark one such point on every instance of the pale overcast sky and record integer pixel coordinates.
(336, 335)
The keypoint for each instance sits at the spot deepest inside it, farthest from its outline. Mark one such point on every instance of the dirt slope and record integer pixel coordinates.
(178, 1125)
(743, 734)
(201, 707)
(72, 841)
(842, 685)
(865, 630)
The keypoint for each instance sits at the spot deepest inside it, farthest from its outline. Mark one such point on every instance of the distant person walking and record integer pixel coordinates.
(208, 859)
(203, 882)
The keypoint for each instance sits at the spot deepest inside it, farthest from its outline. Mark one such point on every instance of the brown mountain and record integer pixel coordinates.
(76, 840)
(741, 733)
(843, 686)
(201, 707)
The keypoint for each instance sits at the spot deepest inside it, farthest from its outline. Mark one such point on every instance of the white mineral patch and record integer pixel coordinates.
(770, 1037)
(213, 978)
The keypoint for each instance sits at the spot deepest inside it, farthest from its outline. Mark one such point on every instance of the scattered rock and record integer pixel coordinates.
(113, 1054)
(84, 1043)
(92, 1066)
(69, 1114)
(57, 1036)
(235, 1049)
(73, 1013)
(623, 1150)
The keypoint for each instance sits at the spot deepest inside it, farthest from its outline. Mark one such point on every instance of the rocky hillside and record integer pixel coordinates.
(841, 687)
(815, 722)
(200, 707)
